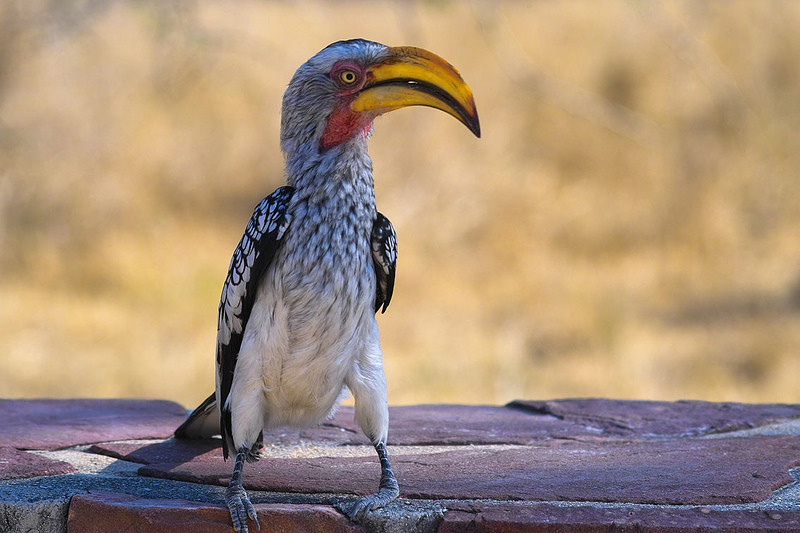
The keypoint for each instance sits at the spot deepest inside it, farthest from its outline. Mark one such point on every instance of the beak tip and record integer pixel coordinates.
(475, 127)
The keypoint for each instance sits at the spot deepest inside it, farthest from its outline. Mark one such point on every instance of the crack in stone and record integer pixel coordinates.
(543, 410)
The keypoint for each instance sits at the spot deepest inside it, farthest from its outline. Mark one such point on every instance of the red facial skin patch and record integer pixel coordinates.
(344, 124)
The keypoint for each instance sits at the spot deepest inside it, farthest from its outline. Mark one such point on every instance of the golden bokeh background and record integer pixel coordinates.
(628, 226)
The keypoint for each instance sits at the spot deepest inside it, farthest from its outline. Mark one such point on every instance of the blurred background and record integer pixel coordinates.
(628, 226)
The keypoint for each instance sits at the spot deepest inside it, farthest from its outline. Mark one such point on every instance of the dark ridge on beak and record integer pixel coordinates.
(468, 120)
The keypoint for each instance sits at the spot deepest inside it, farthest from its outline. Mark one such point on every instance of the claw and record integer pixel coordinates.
(251, 512)
(388, 491)
(240, 508)
(369, 503)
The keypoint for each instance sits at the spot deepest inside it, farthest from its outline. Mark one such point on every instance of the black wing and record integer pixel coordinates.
(203, 422)
(384, 260)
(252, 256)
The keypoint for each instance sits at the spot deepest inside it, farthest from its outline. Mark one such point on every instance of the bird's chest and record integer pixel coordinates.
(327, 275)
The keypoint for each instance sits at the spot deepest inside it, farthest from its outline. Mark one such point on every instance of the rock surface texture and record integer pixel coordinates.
(554, 466)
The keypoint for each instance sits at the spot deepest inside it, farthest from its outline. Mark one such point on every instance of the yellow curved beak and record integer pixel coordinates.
(413, 76)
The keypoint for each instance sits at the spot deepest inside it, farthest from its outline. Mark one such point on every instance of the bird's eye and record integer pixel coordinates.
(348, 77)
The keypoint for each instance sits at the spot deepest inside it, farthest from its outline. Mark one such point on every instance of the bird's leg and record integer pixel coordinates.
(238, 503)
(387, 491)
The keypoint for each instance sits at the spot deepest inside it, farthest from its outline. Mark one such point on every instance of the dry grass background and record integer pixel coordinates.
(628, 226)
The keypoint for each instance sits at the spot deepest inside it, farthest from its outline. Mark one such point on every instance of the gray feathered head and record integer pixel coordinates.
(334, 97)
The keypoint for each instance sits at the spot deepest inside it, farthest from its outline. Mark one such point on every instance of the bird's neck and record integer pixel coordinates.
(342, 173)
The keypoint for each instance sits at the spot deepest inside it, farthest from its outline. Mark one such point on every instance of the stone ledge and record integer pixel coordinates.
(683, 471)
(104, 512)
(16, 464)
(509, 518)
(53, 424)
(566, 465)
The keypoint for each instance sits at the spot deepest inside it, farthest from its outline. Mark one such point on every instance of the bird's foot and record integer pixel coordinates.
(388, 492)
(256, 451)
(240, 508)
(255, 454)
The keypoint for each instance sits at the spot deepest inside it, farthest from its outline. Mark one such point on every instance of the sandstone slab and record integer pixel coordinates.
(167, 451)
(510, 518)
(683, 471)
(525, 422)
(470, 425)
(648, 419)
(16, 464)
(103, 512)
(52, 424)
(420, 425)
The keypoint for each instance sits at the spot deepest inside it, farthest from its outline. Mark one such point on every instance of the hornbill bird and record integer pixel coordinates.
(296, 325)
